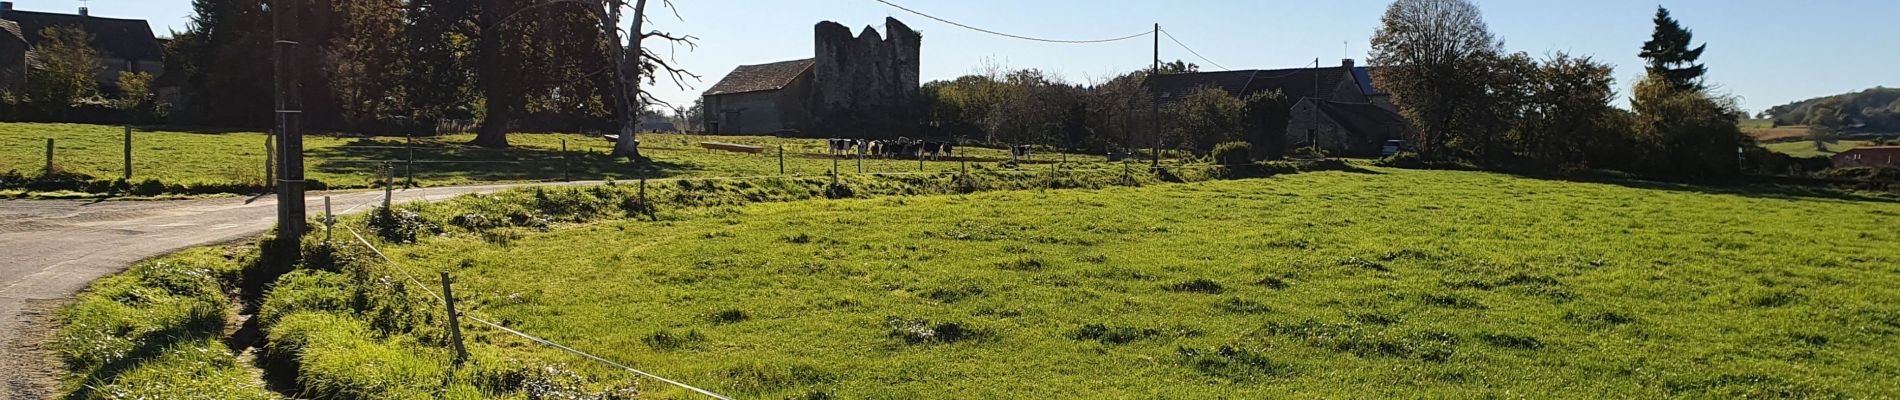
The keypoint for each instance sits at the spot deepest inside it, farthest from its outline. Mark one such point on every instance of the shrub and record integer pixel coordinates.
(1233, 153)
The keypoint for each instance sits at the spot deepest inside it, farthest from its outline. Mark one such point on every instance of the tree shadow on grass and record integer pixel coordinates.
(1752, 189)
(458, 162)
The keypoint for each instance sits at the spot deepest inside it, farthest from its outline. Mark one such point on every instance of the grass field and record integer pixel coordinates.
(1772, 134)
(1806, 148)
(178, 157)
(1381, 283)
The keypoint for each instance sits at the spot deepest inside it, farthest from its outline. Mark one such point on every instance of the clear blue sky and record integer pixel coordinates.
(1768, 52)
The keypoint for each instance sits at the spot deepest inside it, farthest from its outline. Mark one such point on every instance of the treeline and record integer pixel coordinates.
(1030, 107)
(1470, 101)
(1871, 110)
(62, 86)
(394, 65)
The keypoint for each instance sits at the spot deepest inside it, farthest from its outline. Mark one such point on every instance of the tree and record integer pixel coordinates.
(67, 72)
(439, 84)
(1433, 56)
(1670, 57)
(633, 60)
(1688, 133)
(1202, 119)
(1178, 67)
(1567, 117)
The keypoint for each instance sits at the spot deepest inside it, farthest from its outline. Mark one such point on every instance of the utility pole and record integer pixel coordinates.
(289, 110)
(1155, 103)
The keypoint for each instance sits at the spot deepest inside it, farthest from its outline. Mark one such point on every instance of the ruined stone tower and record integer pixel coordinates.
(867, 85)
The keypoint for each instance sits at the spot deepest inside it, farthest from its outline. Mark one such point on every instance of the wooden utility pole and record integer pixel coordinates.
(289, 110)
(1155, 104)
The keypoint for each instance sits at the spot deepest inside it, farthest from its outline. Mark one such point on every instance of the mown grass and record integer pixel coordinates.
(154, 330)
(1383, 283)
(1806, 148)
(233, 162)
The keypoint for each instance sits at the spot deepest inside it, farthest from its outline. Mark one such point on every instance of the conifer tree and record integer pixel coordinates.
(1669, 54)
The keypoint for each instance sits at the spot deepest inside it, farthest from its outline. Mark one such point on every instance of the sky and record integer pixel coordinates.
(1766, 52)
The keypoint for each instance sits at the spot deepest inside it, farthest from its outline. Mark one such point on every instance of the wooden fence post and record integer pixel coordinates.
(329, 220)
(128, 152)
(455, 321)
(781, 160)
(49, 156)
(389, 184)
(270, 157)
(566, 163)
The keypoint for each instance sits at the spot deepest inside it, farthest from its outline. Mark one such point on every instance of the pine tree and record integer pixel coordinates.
(1669, 54)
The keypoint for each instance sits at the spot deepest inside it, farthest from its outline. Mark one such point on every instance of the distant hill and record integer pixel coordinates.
(1871, 110)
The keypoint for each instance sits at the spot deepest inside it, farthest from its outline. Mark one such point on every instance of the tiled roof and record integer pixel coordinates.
(1362, 117)
(762, 77)
(1296, 84)
(130, 39)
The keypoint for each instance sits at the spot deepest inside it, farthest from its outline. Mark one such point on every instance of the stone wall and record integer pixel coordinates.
(867, 86)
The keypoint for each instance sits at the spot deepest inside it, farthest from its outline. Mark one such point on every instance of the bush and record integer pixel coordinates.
(1307, 153)
(1233, 153)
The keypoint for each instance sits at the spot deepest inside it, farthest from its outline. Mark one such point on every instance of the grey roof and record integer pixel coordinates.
(130, 39)
(1296, 83)
(762, 77)
(1364, 118)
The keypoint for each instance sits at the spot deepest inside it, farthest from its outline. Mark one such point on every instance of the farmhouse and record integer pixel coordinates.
(124, 44)
(1868, 156)
(1338, 107)
(862, 86)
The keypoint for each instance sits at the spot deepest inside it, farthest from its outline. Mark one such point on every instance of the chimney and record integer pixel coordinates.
(5, 8)
(84, 12)
(1346, 63)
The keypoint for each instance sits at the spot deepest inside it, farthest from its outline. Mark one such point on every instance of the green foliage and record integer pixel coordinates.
(153, 332)
(1872, 110)
(67, 71)
(1202, 119)
(1687, 133)
(1233, 153)
(1669, 54)
(1436, 58)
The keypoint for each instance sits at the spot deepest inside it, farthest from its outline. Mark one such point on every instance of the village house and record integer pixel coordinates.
(1337, 107)
(865, 86)
(1868, 156)
(125, 45)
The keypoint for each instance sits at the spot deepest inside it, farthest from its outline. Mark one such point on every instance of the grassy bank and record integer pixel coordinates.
(1333, 284)
(345, 326)
(89, 159)
(155, 331)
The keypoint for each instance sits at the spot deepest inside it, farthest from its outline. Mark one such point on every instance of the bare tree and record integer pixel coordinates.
(629, 65)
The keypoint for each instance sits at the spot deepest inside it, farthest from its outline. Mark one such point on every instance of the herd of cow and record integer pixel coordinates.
(901, 148)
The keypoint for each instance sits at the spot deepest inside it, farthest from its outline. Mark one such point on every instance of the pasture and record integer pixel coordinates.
(1376, 283)
(1805, 148)
(237, 159)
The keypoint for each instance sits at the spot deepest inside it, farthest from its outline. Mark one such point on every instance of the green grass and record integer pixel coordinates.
(152, 332)
(237, 158)
(1385, 283)
(1806, 148)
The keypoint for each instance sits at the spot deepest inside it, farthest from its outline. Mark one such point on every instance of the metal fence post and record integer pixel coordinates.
(128, 152)
(49, 156)
(455, 321)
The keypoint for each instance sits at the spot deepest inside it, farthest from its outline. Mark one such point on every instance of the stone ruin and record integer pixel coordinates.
(867, 85)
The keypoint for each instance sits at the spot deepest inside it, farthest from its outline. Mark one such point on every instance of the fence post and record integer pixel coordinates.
(329, 220)
(920, 160)
(389, 184)
(455, 320)
(781, 160)
(1126, 179)
(834, 170)
(49, 156)
(643, 199)
(963, 161)
(128, 152)
(409, 169)
(860, 157)
(567, 163)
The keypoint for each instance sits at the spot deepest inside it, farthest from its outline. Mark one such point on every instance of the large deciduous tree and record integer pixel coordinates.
(68, 70)
(1670, 56)
(1434, 57)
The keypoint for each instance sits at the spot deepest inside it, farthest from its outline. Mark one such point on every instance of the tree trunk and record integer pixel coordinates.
(494, 129)
(627, 79)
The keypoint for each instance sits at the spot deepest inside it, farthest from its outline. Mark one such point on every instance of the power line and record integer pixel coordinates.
(920, 13)
(1191, 50)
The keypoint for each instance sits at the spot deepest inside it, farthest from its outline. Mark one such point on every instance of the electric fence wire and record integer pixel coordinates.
(438, 298)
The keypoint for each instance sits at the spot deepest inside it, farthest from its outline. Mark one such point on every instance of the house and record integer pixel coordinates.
(13, 55)
(863, 86)
(124, 44)
(1337, 107)
(1868, 156)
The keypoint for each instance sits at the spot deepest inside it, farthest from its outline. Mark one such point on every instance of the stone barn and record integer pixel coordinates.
(1338, 107)
(863, 86)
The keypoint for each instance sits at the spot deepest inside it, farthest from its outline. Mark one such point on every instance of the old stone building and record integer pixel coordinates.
(124, 44)
(854, 86)
(1338, 107)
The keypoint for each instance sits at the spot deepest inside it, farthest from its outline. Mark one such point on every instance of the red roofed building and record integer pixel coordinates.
(1868, 156)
